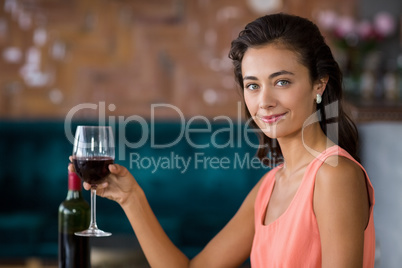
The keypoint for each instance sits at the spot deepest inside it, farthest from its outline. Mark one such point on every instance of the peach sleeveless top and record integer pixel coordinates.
(293, 240)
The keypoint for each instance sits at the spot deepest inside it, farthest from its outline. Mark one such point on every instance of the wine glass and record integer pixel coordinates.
(92, 153)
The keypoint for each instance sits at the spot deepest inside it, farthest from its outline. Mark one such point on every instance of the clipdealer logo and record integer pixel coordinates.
(238, 133)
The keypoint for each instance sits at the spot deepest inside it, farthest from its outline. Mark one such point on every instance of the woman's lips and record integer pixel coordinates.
(272, 118)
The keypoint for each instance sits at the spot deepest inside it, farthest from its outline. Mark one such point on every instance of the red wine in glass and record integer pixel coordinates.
(93, 152)
(92, 170)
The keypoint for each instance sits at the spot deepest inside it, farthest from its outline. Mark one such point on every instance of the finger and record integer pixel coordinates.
(100, 186)
(86, 186)
(118, 170)
(71, 167)
(70, 158)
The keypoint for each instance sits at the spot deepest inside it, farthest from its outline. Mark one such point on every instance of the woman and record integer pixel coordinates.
(315, 209)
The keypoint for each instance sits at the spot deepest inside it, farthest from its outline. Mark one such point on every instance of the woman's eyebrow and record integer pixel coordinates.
(273, 75)
(250, 78)
(280, 73)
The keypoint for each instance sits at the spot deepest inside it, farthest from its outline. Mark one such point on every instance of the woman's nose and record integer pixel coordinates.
(266, 99)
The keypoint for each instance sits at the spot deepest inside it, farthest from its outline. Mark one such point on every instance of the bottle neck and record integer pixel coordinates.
(74, 186)
(74, 182)
(74, 194)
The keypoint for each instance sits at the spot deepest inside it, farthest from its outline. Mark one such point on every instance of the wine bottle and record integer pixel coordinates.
(74, 216)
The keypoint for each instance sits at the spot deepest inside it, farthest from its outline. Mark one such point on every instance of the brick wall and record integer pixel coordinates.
(128, 54)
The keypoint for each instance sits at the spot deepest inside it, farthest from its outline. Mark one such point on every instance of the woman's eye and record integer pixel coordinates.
(252, 86)
(283, 83)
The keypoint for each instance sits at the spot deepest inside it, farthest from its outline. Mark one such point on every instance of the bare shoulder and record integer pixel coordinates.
(340, 188)
(341, 206)
(341, 171)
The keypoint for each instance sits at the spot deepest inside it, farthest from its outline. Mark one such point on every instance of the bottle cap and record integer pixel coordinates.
(74, 182)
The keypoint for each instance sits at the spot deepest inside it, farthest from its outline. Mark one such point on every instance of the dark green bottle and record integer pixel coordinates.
(74, 216)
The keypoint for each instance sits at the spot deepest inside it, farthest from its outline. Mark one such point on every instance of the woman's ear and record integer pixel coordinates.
(321, 84)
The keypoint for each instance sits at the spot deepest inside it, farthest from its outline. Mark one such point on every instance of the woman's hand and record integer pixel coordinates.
(119, 185)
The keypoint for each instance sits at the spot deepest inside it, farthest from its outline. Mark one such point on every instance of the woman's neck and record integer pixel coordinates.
(299, 150)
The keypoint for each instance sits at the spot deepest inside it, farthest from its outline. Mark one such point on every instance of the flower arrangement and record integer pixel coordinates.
(349, 32)
(356, 38)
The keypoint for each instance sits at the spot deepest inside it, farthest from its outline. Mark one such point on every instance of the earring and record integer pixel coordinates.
(319, 99)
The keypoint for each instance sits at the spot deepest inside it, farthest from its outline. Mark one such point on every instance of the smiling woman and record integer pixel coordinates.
(295, 50)
(291, 85)
(315, 209)
(277, 89)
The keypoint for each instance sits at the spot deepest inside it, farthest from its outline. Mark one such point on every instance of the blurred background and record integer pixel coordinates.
(125, 56)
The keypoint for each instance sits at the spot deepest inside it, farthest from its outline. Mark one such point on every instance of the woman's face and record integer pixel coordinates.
(277, 90)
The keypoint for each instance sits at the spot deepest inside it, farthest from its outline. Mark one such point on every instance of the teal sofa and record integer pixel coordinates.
(192, 202)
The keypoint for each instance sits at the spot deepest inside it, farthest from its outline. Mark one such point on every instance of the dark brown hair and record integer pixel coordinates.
(304, 38)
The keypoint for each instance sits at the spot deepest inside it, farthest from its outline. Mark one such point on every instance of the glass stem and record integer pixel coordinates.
(92, 224)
